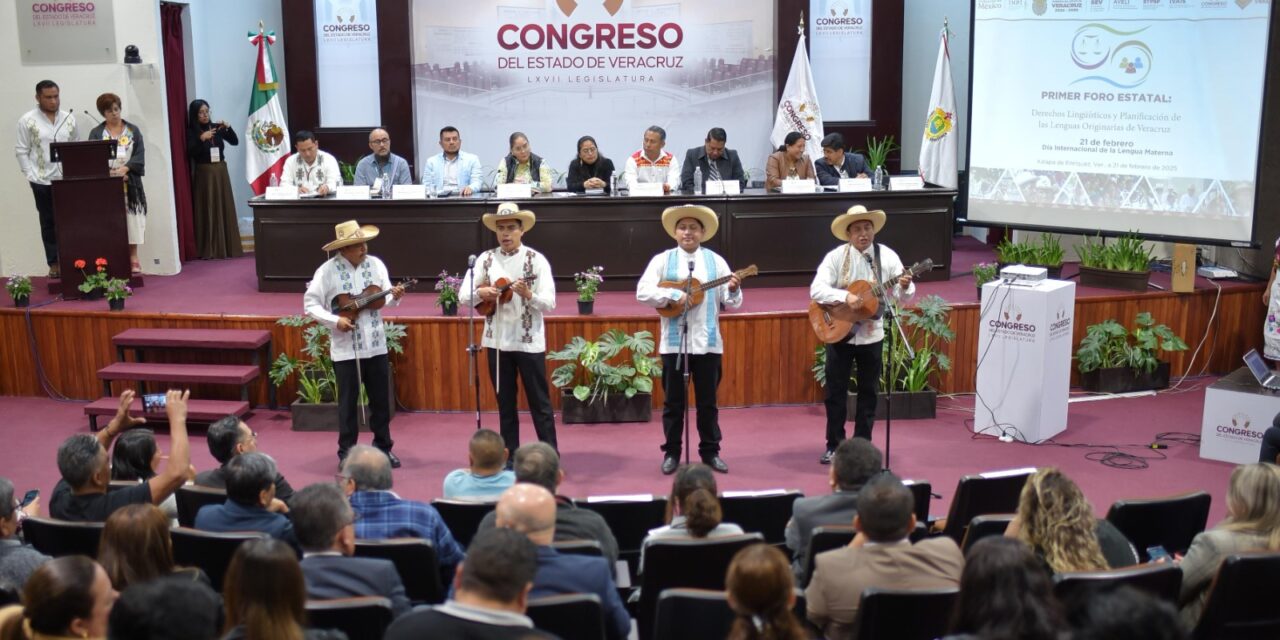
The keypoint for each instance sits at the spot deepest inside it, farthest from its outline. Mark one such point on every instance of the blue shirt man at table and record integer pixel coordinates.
(452, 171)
(382, 162)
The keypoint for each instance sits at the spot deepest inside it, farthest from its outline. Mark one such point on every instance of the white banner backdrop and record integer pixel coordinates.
(347, 54)
(70, 32)
(560, 69)
(840, 55)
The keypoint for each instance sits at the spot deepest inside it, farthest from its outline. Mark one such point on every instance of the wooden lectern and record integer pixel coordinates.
(89, 212)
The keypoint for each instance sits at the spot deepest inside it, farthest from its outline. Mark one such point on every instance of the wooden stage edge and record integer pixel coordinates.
(768, 355)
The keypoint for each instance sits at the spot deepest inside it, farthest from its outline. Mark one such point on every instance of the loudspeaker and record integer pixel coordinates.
(1184, 268)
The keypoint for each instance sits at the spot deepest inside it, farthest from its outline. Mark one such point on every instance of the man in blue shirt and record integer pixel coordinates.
(251, 488)
(452, 170)
(382, 162)
(486, 475)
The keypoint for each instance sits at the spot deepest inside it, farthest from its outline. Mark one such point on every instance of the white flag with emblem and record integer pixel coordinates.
(798, 109)
(938, 145)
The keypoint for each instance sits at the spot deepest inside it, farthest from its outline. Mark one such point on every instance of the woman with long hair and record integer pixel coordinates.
(67, 597)
(524, 166)
(265, 594)
(217, 231)
(1252, 524)
(693, 510)
(1005, 593)
(762, 595)
(1056, 520)
(589, 169)
(788, 162)
(136, 548)
(129, 164)
(135, 456)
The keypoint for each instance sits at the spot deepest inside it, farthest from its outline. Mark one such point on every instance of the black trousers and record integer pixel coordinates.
(841, 358)
(705, 370)
(532, 369)
(375, 372)
(48, 232)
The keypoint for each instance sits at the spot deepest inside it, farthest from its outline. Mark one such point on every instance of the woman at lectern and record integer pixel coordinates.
(129, 164)
(1271, 324)
(217, 232)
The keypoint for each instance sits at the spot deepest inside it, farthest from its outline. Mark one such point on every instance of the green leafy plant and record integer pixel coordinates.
(588, 283)
(317, 381)
(1109, 345)
(348, 170)
(118, 289)
(1047, 251)
(448, 286)
(617, 362)
(984, 272)
(1126, 253)
(927, 328)
(97, 280)
(18, 287)
(878, 150)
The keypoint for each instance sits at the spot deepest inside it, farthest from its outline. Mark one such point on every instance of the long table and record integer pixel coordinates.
(785, 235)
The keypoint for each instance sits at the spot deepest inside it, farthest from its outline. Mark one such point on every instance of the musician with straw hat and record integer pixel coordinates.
(358, 349)
(859, 258)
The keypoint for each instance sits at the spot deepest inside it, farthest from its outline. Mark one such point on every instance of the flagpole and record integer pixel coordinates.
(800, 27)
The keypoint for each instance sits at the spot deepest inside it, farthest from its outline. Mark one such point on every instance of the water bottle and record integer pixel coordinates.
(613, 183)
(274, 180)
(384, 187)
(697, 181)
(429, 181)
(880, 181)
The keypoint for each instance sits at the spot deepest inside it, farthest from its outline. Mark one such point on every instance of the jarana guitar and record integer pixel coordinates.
(833, 322)
(699, 290)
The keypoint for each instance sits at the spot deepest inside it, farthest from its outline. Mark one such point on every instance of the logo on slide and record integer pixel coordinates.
(1116, 58)
(567, 7)
(938, 125)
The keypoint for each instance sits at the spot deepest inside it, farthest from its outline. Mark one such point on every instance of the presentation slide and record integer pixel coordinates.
(1118, 115)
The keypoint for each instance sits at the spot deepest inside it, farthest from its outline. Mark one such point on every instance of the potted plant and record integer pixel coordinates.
(316, 408)
(1046, 252)
(448, 285)
(984, 272)
(117, 289)
(1123, 264)
(19, 288)
(609, 380)
(588, 284)
(94, 285)
(878, 150)
(348, 170)
(1112, 359)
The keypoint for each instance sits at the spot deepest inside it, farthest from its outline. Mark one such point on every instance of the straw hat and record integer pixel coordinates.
(509, 211)
(710, 221)
(349, 233)
(840, 226)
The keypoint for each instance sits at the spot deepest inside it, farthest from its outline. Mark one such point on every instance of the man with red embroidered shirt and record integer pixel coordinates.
(652, 164)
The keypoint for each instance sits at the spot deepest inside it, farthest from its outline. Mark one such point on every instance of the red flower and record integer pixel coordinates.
(79, 264)
(101, 262)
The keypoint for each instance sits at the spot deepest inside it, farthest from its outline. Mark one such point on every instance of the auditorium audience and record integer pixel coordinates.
(523, 166)
(325, 525)
(82, 493)
(1058, 522)
(538, 463)
(880, 556)
(228, 438)
(762, 594)
(135, 548)
(1123, 613)
(17, 559)
(490, 594)
(166, 609)
(693, 510)
(855, 462)
(67, 597)
(589, 169)
(265, 596)
(1005, 592)
(366, 481)
(250, 490)
(531, 510)
(135, 457)
(788, 162)
(1252, 524)
(216, 229)
(486, 475)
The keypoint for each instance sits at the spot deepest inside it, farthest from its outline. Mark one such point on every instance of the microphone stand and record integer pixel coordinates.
(473, 349)
(890, 319)
(684, 354)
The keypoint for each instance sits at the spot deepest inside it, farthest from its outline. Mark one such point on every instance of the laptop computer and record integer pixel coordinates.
(1261, 371)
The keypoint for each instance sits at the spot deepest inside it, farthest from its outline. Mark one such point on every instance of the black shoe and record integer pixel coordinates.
(826, 457)
(669, 465)
(716, 463)
(395, 462)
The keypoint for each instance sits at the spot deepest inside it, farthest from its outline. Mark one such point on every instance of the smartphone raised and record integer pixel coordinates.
(153, 402)
(30, 497)
(1157, 552)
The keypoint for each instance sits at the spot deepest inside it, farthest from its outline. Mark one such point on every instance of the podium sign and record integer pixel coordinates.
(1024, 355)
(1237, 410)
(89, 212)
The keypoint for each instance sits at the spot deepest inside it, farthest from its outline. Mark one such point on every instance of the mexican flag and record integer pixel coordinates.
(267, 132)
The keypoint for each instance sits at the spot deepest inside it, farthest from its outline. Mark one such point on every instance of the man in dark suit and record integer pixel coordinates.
(531, 510)
(251, 489)
(836, 163)
(228, 438)
(325, 525)
(717, 162)
(855, 462)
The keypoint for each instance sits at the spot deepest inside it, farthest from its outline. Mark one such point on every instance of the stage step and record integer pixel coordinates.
(228, 339)
(197, 410)
(239, 374)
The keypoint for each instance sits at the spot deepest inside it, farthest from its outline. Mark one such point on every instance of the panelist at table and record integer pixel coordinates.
(452, 168)
(522, 164)
(311, 170)
(836, 163)
(716, 162)
(382, 162)
(589, 170)
(789, 162)
(652, 164)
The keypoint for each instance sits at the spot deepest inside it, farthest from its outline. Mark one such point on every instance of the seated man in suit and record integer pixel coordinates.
(836, 163)
(716, 162)
(228, 438)
(531, 510)
(879, 556)
(250, 489)
(325, 526)
(856, 461)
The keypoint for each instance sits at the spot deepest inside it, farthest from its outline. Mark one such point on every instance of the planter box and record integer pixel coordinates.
(1123, 380)
(1109, 279)
(907, 405)
(615, 408)
(324, 416)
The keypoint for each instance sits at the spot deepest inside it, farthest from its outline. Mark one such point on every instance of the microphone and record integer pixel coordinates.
(95, 118)
(471, 261)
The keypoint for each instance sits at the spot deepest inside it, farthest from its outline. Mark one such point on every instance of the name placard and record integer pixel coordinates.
(723, 187)
(649, 189)
(408, 192)
(797, 186)
(515, 191)
(855, 184)
(282, 192)
(905, 183)
(352, 192)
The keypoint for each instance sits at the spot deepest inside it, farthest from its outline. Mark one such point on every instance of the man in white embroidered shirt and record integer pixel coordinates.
(36, 129)
(313, 171)
(690, 226)
(652, 164)
(858, 259)
(357, 347)
(513, 288)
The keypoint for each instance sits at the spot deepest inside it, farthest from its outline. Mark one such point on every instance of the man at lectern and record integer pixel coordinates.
(859, 259)
(38, 128)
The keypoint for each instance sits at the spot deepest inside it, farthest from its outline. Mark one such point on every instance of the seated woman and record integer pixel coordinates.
(788, 162)
(523, 166)
(762, 595)
(135, 457)
(135, 548)
(67, 597)
(1005, 592)
(265, 595)
(1058, 522)
(694, 499)
(1252, 524)
(589, 170)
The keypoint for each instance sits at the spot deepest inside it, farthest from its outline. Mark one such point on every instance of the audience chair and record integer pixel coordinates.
(1160, 580)
(416, 562)
(691, 562)
(1242, 599)
(918, 614)
(1170, 522)
(983, 526)
(825, 538)
(767, 513)
(361, 618)
(630, 521)
(579, 547)
(192, 498)
(922, 491)
(8, 596)
(572, 616)
(692, 614)
(462, 517)
(62, 538)
(210, 551)
(981, 494)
